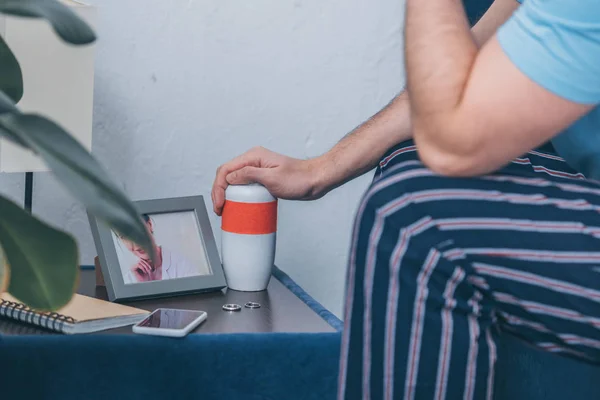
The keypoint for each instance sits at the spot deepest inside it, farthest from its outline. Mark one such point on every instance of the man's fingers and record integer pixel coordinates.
(218, 197)
(247, 175)
(251, 158)
(243, 176)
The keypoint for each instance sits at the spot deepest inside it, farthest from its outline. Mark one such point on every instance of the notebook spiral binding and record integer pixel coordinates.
(49, 320)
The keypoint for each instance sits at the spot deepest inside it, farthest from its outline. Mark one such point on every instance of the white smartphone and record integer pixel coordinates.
(170, 322)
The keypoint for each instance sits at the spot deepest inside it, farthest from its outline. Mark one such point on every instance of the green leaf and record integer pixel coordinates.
(7, 106)
(11, 78)
(44, 261)
(65, 22)
(4, 272)
(80, 173)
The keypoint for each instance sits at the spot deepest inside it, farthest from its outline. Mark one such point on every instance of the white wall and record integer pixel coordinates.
(184, 85)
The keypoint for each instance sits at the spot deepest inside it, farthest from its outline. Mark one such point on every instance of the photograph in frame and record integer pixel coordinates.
(187, 257)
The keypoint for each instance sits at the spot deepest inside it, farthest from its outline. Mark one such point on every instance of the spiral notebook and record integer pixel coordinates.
(82, 314)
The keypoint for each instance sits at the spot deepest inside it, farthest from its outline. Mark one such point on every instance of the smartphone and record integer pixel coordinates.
(170, 322)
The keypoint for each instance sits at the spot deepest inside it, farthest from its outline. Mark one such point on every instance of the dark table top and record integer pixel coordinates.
(280, 311)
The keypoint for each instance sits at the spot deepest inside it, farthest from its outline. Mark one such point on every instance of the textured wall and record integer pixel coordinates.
(182, 86)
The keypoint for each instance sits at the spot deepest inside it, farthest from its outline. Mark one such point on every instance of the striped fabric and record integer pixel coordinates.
(440, 267)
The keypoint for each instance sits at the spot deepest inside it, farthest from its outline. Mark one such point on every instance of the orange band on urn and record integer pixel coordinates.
(249, 218)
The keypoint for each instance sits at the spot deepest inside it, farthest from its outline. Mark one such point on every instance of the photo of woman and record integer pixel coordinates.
(171, 259)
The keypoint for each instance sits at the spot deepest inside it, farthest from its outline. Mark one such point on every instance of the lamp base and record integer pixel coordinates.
(28, 198)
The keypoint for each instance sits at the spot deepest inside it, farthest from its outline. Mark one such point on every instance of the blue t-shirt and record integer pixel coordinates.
(556, 43)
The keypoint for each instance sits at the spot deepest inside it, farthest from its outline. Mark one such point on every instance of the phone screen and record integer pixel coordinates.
(170, 318)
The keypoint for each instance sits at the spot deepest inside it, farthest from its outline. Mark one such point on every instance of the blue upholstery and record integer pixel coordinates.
(207, 367)
(524, 373)
(240, 366)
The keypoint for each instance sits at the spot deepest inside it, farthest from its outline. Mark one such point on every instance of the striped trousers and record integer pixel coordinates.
(441, 267)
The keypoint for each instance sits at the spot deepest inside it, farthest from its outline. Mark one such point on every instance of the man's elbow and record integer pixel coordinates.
(450, 165)
(453, 160)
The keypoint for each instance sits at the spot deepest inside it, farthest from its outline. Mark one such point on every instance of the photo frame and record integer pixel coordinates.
(188, 259)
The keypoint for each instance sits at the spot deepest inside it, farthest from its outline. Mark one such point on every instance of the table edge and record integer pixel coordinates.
(307, 299)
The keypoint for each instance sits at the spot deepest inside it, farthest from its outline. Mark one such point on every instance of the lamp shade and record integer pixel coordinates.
(58, 81)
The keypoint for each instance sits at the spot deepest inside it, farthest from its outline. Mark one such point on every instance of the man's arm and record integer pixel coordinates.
(355, 154)
(361, 150)
(472, 109)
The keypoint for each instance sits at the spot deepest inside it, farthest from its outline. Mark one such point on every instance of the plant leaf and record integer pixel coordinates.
(4, 271)
(7, 106)
(65, 22)
(11, 78)
(44, 260)
(80, 173)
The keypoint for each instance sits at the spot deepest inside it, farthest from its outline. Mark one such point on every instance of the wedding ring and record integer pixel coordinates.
(252, 304)
(232, 307)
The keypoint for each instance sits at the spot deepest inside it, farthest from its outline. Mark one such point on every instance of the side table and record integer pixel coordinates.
(285, 307)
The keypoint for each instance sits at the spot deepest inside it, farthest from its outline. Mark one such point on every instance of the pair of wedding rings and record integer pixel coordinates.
(237, 307)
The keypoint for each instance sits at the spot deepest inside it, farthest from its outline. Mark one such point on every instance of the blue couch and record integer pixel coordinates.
(240, 366)
(203, 367)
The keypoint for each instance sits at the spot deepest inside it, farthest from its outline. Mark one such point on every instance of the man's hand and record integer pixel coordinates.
(284, 177)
